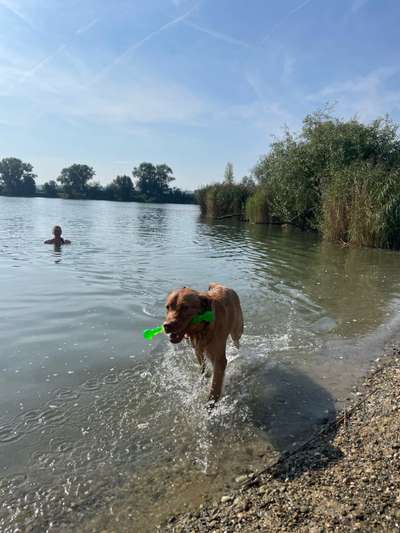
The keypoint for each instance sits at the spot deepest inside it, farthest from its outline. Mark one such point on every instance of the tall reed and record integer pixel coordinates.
(258, 207)
(361, 206)
(221, 200)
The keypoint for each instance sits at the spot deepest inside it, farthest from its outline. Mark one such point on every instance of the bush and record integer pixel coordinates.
(220, 200)
(361, 206)
(299, 170)
(341, 178)
(258, 207)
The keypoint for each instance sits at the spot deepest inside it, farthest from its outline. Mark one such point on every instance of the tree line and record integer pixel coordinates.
(338, 177)
(150, 183)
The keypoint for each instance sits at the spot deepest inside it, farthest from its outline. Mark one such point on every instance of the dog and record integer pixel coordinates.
(207, 338)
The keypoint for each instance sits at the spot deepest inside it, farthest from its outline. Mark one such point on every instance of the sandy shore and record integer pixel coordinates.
(345, 478)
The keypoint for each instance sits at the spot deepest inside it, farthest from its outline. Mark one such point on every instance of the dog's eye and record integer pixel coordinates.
(167, 307)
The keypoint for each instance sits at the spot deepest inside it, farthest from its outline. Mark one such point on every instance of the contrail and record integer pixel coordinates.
(41, 63)
(220, 36)
(140, 43)
(87, 26)
(10, 6)
(284, 19)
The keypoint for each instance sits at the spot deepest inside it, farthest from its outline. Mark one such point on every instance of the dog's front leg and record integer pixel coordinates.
(219, 365)
(201, 359)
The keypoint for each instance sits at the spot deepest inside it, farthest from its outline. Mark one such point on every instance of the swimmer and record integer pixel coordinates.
(58, 240)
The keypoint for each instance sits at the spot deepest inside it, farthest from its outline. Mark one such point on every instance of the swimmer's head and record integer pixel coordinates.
(57, 231)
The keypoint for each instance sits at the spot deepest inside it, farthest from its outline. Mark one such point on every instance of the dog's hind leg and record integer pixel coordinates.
(237, 330)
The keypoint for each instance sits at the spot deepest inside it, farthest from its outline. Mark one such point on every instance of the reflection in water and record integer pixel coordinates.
(57, 253)
(152, 222)
(93, 418)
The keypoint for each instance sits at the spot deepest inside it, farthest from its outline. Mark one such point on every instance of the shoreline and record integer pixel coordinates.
(346, 477)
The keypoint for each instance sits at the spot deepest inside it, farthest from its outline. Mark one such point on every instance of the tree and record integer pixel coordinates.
(122, 188)
(300, 168)
(228, 174)
(17, 178)
(153, 180)
(50, 189)
(95, 191)
(74, 180)
(248, 182)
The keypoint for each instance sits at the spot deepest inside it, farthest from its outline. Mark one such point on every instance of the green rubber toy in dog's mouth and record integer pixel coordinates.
(207, 316)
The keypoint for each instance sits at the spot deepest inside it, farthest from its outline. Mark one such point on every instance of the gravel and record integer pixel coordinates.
(345, 478)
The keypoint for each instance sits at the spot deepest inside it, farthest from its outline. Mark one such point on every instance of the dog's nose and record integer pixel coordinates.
(168, 326)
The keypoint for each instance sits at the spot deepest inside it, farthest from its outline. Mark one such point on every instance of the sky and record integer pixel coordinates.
(190, 83)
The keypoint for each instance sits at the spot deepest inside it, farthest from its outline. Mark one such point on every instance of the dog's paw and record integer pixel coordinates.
(210, 405)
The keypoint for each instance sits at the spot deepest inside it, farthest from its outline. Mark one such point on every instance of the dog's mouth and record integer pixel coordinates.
(176, 337)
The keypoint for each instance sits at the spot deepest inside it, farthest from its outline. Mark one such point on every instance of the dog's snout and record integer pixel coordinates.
(168, 327)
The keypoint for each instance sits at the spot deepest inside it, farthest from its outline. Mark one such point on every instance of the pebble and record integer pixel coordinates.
(343, 480)
(241, 479)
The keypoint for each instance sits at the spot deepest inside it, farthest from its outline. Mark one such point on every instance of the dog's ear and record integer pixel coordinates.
(206, 303)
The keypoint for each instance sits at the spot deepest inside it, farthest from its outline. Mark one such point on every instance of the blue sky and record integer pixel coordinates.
(193, 84)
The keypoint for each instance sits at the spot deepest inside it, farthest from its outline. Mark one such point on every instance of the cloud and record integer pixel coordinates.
(61, 91)
(266, 113)
(23, 74)
(365, 96)
(143, 101)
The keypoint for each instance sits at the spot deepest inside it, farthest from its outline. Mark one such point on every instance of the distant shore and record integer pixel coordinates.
(345, 478)
(187, 201)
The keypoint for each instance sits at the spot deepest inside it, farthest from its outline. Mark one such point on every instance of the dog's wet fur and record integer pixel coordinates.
(207, 338)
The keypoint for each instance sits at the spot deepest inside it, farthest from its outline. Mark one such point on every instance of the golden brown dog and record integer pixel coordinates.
(207, 338)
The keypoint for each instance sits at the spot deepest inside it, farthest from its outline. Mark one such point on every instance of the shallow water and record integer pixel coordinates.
(101, 430)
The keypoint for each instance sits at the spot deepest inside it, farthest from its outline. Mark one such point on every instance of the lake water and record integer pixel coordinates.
(100, 430)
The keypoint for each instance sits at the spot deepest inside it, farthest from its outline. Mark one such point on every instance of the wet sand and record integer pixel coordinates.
(346, 477)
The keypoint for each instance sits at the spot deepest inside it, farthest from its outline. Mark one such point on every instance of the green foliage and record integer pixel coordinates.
(16, 178)
(222, 199)
(50, 189)
(122, 189)
(341, 178)
(152, 181)
(94, 191)
(74, 181)
(249, 183)
(288, 175)
(361, 206)
(228, 174)
(258, 208)
(337, 177)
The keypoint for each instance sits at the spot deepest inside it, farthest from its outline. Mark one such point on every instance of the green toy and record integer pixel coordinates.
(207, 316)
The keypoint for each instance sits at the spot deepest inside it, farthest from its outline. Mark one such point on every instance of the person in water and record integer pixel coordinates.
(58, 240)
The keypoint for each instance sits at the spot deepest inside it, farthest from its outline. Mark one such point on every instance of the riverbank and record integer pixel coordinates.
(346, 478)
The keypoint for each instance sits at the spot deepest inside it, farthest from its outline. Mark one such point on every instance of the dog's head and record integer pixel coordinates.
(182, 305)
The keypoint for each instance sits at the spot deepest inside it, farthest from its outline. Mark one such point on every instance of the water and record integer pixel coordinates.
(101, 430)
